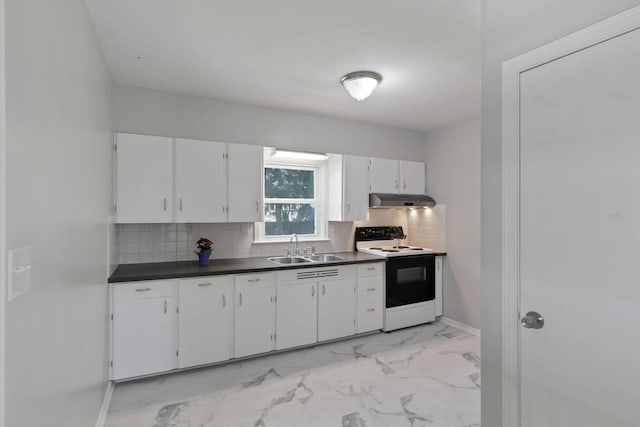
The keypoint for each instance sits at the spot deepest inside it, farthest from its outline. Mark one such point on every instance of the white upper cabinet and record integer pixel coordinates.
(412, 177)
(349, 188)
(383, 176)
(200, 175)
(144, 179)
(244, 183)
(396, 176)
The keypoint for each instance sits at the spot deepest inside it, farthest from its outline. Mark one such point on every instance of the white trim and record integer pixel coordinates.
(106, 403)
(511, 71)
(461, 326)
(3, 212)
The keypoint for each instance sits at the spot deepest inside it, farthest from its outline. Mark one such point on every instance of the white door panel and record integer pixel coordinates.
(336, 309)
(245, 183)
(383, 176)
(580, 237)
(412, 177)
(296, 314)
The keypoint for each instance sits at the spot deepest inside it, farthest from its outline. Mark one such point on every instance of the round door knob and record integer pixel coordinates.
(532, 320)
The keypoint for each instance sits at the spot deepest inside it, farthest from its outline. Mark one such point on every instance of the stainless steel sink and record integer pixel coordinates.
(324, 258)
(289, 260)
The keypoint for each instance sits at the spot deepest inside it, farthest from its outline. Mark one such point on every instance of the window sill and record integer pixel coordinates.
(263, 242)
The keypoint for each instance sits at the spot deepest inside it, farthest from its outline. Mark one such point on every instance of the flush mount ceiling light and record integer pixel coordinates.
(360, 84)
(297, 155)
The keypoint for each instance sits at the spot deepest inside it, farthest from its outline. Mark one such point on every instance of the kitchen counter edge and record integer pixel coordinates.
(184, 269)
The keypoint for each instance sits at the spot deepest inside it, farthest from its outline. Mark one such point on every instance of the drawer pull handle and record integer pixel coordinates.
(224, 301)
(371, 309)
(371, 289)
(254, 280)
(370, 268)
(143, 289)
(204, 284)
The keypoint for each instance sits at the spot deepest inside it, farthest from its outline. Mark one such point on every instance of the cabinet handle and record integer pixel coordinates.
(240, 298)
(396, 184)
(165, 306)
(371, 289)
(143, 289)
(371, 309)
(404, 184)
(323, 289)
(348, 206)
(224, 301)
(204, 284)
(254, 280)
(180, 204)
(370, 268)
(313, 291)
(164, 204)
(257, 206)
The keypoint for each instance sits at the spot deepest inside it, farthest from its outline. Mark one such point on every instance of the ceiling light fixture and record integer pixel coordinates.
(297, 155)
(360, 84)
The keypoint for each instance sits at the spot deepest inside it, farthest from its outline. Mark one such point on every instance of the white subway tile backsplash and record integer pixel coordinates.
(177, 242)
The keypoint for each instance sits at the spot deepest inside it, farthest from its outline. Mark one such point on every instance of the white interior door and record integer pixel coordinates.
(580, 237)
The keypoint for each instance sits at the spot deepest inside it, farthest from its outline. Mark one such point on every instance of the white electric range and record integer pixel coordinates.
(410, 276)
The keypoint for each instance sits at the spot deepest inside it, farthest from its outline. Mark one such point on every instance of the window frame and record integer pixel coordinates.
(319, 182)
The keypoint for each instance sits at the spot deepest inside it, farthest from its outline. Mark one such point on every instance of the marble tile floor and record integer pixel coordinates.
(428, 375)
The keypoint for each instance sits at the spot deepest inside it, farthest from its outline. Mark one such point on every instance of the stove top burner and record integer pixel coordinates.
(401, 247)
(416, 249)
(390, 250)
(376, 249)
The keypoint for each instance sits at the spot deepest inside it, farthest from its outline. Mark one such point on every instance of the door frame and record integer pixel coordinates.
(511, 70)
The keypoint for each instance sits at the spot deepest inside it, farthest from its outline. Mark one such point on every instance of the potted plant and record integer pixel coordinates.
(205, 246)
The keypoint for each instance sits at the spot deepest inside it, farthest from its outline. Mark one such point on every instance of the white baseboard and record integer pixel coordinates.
(106, 402)
(461, 326)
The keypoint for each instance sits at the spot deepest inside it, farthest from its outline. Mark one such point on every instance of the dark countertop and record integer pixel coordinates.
(181, 269)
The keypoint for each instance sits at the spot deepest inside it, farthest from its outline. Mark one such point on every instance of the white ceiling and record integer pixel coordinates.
(290, 54)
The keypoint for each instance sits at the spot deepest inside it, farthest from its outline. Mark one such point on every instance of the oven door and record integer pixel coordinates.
(410, 280)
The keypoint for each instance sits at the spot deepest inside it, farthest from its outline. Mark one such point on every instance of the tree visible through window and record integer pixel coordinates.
(289, 201)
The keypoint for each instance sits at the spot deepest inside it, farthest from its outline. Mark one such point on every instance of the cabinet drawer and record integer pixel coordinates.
(329, 272)
(143, 289)
(245, 281)
(370, 289)
(371, 269)
(370, 317)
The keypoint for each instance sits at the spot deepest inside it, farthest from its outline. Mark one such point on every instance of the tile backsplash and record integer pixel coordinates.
(142, 243)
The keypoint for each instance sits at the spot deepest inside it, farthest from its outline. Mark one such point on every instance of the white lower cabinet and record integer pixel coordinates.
(296, 314)
(162, 325)
(205, 320)
(337, 305)
(370, 312)
(254, 314)
(143, 328)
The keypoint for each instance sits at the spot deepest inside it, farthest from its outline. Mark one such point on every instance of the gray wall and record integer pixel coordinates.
(153, 112)
(511, 28)
(59, 176)
(452, 156)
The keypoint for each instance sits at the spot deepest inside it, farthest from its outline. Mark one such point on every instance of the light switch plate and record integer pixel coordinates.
(19, 271)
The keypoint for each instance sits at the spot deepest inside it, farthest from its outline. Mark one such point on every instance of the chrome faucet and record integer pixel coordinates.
(295, 236)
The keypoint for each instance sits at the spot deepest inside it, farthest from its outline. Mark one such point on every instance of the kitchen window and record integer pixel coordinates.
(293, 200)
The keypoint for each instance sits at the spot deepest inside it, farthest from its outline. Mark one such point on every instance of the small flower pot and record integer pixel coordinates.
(203, 258)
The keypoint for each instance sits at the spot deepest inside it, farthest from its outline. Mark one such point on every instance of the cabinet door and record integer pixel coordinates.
(383, 176)
(355, 188)
(336, 309)
(412, 177)
(201, 181)
(245, 183)
(143, 335)
(296, 314)
(439, 266)
(254, 314)
(205, 320)
(144, 179)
